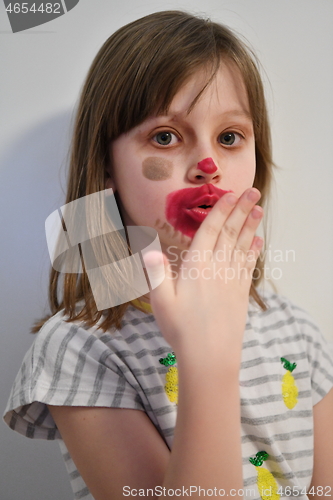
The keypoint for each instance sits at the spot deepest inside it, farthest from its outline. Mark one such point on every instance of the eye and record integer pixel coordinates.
(229, 138)
(165, 138)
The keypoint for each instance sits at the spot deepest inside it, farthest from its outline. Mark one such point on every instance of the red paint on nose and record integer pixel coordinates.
(207, 166)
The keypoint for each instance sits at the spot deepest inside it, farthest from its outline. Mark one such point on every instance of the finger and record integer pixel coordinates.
(255, 250)
(253, 255)
(256, 247)
(233, 225)
(247, 234)
(244, 267)
(160, 277)
(206, 236)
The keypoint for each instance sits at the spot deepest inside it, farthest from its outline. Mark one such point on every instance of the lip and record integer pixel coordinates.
(184, 209)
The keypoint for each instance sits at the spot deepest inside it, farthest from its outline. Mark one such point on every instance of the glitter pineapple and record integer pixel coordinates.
(171, 386)
(267, 486)
(289, 388)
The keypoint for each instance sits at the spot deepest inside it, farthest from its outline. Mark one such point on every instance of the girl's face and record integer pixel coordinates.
(170, 170)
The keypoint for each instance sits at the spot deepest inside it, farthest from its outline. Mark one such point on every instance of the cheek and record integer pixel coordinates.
(248, 169)
(240, 177)
(157, 169)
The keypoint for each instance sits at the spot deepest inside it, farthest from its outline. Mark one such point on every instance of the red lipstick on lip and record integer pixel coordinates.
(187, 208)
(207, 166)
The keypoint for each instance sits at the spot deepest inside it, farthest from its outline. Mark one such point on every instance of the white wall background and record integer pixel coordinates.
(42, 71)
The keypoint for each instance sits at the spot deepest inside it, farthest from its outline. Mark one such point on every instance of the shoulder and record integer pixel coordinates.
(282, 312)
(289, 329)
(286, 320)
(63, 346)
(71, 364)
(59, 335)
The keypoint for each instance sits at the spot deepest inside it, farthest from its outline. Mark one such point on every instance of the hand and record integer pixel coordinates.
(206, 305)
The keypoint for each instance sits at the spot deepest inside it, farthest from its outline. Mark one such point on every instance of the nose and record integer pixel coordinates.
(205, 171)
(207, 166)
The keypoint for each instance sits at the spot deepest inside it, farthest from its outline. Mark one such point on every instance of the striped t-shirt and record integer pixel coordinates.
(72, 365)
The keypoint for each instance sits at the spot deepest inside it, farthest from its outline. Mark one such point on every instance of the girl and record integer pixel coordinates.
(204, 386)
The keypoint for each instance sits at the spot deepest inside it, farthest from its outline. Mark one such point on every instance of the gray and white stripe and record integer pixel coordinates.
(73, 365)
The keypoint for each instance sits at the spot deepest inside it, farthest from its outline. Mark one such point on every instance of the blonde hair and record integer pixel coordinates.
(136, 74)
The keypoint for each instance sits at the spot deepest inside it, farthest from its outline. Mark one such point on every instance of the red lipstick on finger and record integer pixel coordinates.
(187, 208)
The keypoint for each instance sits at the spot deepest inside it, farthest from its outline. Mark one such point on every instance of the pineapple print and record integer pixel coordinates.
(267, 486)
(171, 386)
(289, 388)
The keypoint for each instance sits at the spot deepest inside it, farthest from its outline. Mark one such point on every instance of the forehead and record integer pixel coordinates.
(226, 91)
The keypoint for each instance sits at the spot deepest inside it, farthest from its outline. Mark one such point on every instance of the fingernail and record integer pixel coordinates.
(231, 199)
(152, 258)
(259, 242)
(257, 212)
(252, 195)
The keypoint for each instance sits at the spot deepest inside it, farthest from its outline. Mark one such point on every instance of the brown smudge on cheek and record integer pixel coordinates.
(157, 169)
(166, 227)
(185, 240)
(169, 229)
